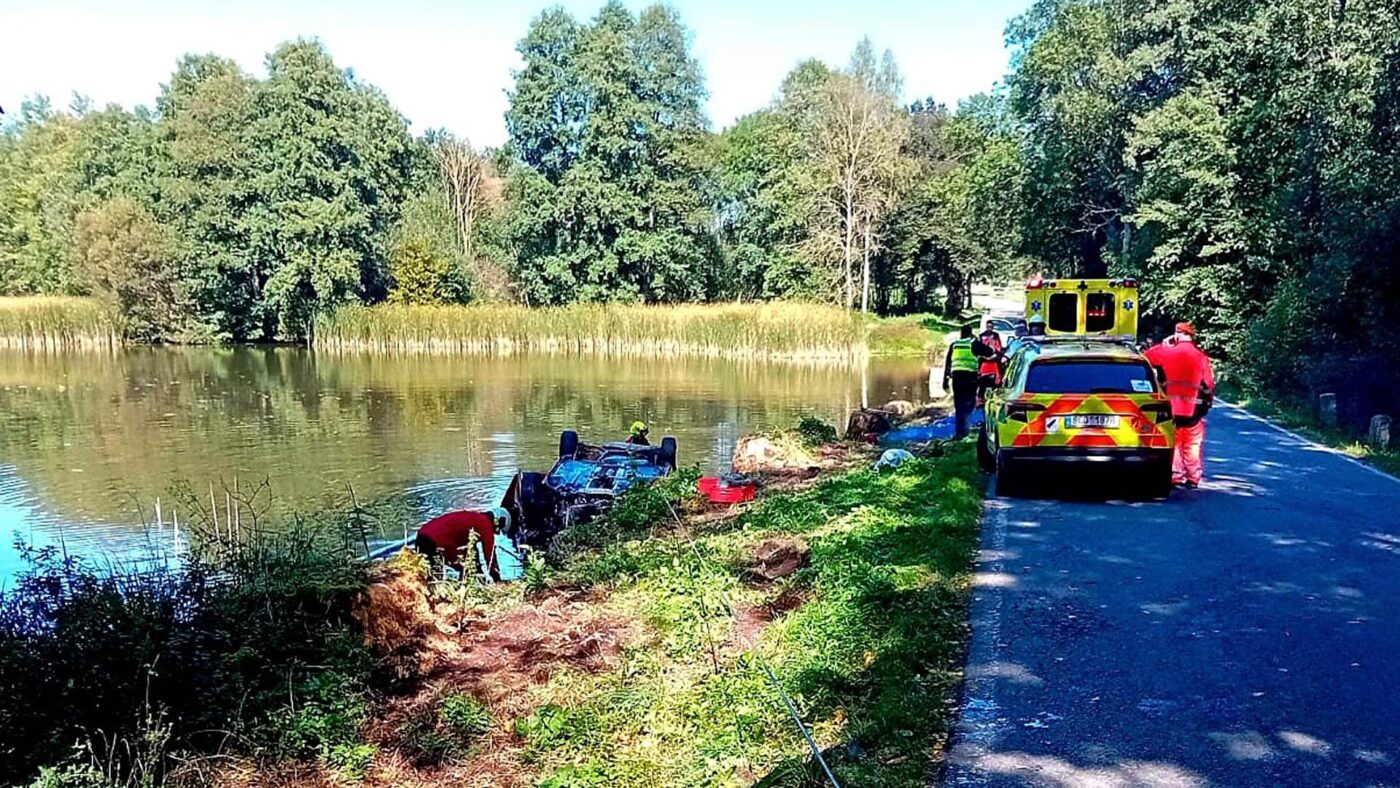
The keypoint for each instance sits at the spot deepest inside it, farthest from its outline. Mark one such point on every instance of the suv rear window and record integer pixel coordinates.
(1089, 376)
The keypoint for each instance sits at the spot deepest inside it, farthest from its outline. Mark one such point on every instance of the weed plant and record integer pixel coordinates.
(57, 323)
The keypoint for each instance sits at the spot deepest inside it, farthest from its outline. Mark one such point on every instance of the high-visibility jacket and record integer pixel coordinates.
(990, 364)
(960, 357)
(1189, 376)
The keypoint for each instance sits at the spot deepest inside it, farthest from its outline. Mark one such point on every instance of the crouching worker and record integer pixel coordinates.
(449, 534)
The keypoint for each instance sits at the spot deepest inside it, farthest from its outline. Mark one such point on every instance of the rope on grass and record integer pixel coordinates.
(763, 663)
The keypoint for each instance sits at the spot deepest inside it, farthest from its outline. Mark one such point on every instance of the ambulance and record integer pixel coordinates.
(1082, 396)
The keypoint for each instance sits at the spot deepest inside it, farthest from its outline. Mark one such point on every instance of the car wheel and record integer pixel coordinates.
(1157, 480)
(1008, 477)
(668, 452)
(568, 444)
(986, 460)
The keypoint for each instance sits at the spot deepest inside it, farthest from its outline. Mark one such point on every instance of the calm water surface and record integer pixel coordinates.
(89, 442)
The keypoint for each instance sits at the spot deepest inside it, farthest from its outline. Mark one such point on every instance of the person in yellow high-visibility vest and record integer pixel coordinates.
(960, 369)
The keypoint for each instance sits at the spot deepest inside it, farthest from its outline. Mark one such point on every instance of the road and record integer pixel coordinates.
(1247, 633)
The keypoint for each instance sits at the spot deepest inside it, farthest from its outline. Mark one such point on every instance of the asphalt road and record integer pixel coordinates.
(1247, 633)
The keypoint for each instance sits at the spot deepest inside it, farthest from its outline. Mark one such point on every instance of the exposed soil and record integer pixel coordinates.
(777, 557)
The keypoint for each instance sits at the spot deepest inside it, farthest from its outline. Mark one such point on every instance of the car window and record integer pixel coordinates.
(1089, 376)
(1099, 314)
(1064, 312)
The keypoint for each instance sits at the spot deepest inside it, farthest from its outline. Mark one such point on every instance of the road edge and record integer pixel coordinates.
(1309, 441)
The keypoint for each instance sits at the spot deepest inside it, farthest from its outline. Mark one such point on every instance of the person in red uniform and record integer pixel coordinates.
(1190, 387)
(448, 534)
(988, 348)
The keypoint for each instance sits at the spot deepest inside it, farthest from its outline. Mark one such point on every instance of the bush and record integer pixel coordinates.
(254, 640)
(464, 715)
(815, 432)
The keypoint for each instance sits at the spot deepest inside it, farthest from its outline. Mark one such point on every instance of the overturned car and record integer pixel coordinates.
(583, 484)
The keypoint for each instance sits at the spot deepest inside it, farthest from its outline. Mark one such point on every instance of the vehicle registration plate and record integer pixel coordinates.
(1100, 420)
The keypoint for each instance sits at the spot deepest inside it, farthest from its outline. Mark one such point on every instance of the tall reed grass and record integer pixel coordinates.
(57, 323)
(788, 331)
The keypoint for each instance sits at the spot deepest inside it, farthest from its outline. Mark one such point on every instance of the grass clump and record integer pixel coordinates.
(763, 331)
(815, 432)
(57, 323)
(871, 655)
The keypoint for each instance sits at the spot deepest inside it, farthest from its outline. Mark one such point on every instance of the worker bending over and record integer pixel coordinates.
(449, 534)
(1190, 387)
(960, 367)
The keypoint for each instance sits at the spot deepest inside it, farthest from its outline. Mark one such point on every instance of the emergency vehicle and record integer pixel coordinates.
(1082, 395)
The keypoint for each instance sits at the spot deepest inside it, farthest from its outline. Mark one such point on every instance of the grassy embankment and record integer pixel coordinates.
(867, 639)
(57, 322)
(635, 658)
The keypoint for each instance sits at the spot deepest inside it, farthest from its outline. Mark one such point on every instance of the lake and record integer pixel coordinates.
(90, 441)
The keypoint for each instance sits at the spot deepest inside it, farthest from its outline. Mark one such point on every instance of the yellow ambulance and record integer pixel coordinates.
(1082, 395)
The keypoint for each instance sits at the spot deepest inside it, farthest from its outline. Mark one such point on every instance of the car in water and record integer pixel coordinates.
(583, 483)
(1078, 402)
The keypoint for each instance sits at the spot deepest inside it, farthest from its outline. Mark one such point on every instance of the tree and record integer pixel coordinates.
(856, 135)
(126, 258)
(332, 159)
(610, 186)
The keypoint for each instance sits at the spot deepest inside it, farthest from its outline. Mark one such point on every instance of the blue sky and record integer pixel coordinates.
(448, 63)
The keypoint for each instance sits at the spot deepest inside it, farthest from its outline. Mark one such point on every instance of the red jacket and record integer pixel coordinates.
(1187, 368)
(452, 531)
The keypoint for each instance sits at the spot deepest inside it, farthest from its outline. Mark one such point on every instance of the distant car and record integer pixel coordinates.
(583, 484)
(1078, 402)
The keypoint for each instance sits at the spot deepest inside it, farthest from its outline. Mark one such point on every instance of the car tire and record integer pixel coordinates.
(1157, 481)
(986, 460)
(1008, 477)
(568, 444)
(667, 456)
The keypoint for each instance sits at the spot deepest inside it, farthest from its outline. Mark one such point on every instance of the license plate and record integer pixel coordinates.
(1099, 420)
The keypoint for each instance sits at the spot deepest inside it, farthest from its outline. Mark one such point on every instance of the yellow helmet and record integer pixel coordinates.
(639, 427)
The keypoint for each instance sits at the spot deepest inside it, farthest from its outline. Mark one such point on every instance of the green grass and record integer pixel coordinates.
(57, 322)
(908, 335)
(795, 331)
(872, 658)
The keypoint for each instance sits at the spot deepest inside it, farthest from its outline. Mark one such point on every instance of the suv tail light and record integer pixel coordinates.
(1021, 411)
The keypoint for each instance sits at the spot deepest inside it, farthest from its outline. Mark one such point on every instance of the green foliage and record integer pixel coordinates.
(351, 759)
(254, 639)
(870, 655)
(129, 261)
(72, 776)
(464, 715)
(815, 432)
(610, 179)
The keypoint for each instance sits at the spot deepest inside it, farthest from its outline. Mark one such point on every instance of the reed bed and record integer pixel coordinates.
(781, 331)
(57, 323)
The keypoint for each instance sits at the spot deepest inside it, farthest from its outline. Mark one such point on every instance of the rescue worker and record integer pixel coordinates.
(639, 434)
(447, 535)
(1190, 387)
(960, 368)
(989, 351)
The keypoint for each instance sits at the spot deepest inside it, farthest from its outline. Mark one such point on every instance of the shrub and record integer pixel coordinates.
(464, 715)
(255, 640)
(815, 432)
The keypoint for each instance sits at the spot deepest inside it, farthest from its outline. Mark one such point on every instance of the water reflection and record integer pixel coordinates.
(89, 441)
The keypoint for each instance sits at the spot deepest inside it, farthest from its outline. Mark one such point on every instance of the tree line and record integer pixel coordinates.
(238, 208)
(1239, 157)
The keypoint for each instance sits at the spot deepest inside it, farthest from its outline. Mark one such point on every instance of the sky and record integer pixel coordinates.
(447, 63)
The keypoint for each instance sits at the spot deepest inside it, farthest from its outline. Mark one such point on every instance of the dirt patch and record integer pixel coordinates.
(751, 620)
(777, 557)
(771, 453)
